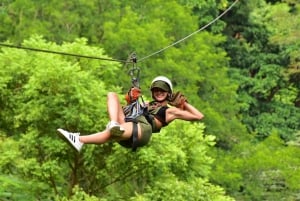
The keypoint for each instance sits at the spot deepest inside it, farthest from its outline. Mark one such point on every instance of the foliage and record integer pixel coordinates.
(260, 171)
(196, 66)
(35, 87)
(260, 65)
(283, 22)
(51, 91)
(252, 50)
(40, 93)
(57, 20)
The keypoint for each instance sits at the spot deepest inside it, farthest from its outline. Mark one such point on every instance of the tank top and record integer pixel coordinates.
(159, 112)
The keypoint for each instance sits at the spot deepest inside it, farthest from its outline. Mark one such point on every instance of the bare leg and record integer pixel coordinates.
(114, 108)
(104, 136)
(116, 114)
(97, 138)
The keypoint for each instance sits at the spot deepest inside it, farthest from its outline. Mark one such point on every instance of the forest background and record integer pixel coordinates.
(242, 72)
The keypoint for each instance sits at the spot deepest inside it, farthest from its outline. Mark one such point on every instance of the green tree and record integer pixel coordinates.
(268, 96)
(283, 22)
(42, 92)
(264, 171)
(197, 65)
(56, 20)
(51, 91)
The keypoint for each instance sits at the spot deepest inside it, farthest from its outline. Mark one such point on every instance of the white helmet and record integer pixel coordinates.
(163, 79)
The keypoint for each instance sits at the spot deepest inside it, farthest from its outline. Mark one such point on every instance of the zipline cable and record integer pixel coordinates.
(61, 53)
(202, 28)
(118, 60)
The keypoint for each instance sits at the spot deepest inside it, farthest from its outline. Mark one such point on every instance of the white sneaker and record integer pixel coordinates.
(71, 138)
(115, 129)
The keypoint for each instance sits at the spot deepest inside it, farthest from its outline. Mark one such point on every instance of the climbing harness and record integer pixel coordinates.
(135, 108)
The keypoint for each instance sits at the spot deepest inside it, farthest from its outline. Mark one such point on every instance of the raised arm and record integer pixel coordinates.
(193, 111)
(183, 110)
(189, 113)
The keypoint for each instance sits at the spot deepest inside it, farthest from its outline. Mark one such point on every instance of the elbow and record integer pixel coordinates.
(196, 117)
(200, 116)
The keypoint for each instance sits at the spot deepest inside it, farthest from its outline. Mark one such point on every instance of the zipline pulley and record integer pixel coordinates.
(134, 72)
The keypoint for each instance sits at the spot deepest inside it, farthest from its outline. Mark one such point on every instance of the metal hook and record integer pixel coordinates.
(135, 76)
(134, 72)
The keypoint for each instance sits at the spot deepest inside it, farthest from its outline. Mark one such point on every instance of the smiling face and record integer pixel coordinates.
(159, 94)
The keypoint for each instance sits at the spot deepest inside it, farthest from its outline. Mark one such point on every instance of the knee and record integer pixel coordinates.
(112, 95)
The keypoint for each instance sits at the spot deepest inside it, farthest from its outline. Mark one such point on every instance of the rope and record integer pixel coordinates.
(61, 53)
(202, 28)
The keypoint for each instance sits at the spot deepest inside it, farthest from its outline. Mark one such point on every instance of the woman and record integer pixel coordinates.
(121, 131)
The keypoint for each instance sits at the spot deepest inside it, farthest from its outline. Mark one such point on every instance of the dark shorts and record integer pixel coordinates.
(146, 129)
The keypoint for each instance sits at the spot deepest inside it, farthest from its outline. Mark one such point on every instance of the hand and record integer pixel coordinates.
(178, 100)
(133, 94)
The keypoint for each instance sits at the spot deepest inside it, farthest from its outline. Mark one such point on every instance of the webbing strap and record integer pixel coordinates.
(134, 136)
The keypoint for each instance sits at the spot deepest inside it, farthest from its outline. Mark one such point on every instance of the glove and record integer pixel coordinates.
(133, 94)
(178, 99)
